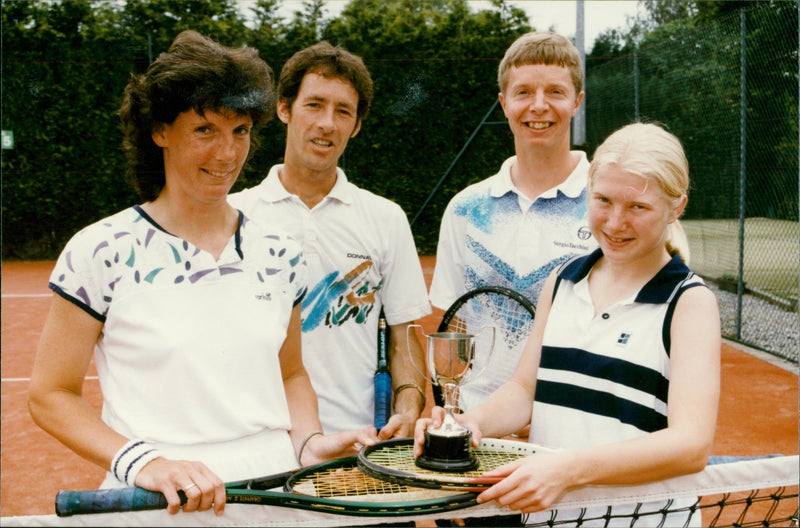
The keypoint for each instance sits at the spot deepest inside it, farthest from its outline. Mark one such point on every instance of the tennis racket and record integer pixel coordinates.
(509, 312)
(393, 461)
(383, 379)
(332, 487)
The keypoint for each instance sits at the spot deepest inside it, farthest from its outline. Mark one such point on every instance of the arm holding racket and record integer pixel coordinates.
(304, 410)
(336, 487)
(55, 397)
(58, 407)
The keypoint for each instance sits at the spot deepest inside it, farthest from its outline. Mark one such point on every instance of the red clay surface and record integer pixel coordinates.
(758, 406)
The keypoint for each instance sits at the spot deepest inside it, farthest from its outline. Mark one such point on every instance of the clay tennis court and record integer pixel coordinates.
(758, 408)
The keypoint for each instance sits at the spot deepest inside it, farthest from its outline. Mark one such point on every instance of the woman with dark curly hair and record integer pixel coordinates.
(188, 308)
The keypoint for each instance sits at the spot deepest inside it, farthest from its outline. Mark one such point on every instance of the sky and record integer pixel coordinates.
(560, 15)
(598, 16)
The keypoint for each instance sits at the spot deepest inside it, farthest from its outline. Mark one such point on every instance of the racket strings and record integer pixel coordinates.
(342, 482)
(353, 484)
(511, 320)
(400, 458)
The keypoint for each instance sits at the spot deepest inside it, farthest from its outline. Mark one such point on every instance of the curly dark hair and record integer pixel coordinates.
(328, 61)
(197, 74)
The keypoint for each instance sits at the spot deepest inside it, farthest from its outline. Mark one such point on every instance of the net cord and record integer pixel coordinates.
(715, 479)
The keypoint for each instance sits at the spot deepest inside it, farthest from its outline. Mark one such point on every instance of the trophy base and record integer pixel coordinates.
(449, 453)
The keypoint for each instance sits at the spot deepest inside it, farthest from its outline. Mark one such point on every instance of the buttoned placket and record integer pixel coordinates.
(311, 233)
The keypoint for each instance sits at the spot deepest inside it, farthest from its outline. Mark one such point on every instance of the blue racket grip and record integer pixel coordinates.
(110, 500)
(383, 399)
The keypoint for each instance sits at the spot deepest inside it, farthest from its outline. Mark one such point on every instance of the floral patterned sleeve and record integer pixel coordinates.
(83, 275)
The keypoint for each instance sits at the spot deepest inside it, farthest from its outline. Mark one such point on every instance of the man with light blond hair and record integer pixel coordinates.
(513, 228)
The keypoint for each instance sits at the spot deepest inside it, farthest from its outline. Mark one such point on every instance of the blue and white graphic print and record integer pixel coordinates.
(506, 246)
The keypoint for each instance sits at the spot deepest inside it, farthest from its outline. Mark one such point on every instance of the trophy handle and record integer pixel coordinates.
(409, 336)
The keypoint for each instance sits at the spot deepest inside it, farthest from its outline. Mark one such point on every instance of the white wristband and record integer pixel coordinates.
(130, 460)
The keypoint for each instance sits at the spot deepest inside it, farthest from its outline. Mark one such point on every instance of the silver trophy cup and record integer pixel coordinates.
(449, 357)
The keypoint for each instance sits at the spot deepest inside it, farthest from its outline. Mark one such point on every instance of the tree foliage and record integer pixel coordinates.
(434, 63)
(66, 63)
(681, 61)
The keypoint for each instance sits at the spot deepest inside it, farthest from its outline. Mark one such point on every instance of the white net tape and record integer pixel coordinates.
(760, 492)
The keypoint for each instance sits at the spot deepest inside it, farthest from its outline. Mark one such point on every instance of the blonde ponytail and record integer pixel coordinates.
(677, 243)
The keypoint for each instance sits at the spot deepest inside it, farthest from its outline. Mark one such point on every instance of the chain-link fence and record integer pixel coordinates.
(729, 90)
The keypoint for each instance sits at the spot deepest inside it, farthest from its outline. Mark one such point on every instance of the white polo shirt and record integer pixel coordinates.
(492, 235)
(360, 258)
(188, 353)
(604, 379)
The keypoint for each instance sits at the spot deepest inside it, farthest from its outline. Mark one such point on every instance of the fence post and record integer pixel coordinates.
(742, 167)
(579, 121)
(636, 82)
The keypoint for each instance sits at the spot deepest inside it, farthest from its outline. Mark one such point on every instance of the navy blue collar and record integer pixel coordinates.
(658, 290)
(237, 235)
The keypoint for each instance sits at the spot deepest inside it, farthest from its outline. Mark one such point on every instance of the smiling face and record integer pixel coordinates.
(539, 101)
(629, 215)
(319, 123)
(203, 155)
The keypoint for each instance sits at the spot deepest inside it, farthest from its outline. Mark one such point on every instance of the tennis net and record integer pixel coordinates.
(744, 493)
(759, 491)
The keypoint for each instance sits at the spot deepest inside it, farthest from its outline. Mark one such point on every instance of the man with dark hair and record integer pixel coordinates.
(358, 246)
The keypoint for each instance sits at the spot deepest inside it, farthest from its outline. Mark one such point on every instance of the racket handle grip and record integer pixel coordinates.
(110, 500)
(383, 399)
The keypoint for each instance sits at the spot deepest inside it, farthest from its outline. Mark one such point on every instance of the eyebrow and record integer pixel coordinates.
(322, 98)
(549, 85)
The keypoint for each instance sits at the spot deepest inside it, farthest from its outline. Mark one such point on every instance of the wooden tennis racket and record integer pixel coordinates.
(333, 487)
(393, 461)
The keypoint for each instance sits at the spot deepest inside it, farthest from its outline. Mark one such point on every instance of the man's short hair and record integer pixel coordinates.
(328, 61)
(542, 47)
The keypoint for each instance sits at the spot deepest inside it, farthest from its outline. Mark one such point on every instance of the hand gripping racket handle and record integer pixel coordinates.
(110, 500)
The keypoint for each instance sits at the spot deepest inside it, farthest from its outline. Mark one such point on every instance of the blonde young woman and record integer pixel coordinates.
(621, 372)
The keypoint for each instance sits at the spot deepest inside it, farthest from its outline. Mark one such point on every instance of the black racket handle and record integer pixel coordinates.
(110, 500)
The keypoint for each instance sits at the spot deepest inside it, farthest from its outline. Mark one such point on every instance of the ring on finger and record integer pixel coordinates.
(190, 486)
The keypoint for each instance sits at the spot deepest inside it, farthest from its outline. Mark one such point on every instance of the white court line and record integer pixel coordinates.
(28, 379)
(26, 295)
